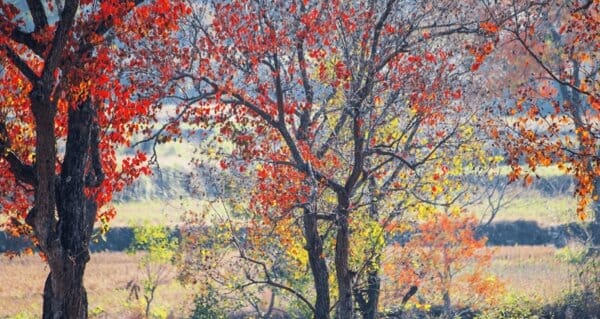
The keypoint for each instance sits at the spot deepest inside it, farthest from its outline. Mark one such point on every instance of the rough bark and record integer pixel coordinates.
(63, 216)
(314, 247)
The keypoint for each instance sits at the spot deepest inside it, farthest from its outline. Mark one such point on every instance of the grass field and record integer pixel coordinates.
(533, 271)
(529, 205)
(530, 270)
(154, 211)
(532, 206)
(106, 279)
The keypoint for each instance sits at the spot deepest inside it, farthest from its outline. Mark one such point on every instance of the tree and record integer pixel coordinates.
(555, 86)
(240, 256)
(329, 98)
(447, 263)
(77, 80)
(159, 246)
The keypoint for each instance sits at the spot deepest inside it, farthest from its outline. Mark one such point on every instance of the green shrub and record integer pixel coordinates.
(160, 248)
(514, 306)
(206, 307)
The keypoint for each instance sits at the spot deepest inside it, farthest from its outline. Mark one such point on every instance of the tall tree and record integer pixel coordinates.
(336, 95)
(77, 80)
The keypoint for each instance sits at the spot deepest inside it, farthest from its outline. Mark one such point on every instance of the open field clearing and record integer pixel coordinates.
(531, 206)
(106, 278)
(154, 212)
(528, 206)
(530, 270)
(534, 271)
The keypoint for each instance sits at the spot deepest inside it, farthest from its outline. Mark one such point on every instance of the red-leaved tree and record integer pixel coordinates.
(551, 51)
(337, 105)
(78, 78)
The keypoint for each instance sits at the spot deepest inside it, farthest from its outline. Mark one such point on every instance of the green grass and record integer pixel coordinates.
(541, 171)
(155, 211)
(530, 205)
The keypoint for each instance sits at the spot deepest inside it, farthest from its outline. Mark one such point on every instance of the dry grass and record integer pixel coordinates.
(106, 279)
(533, 271)
(530, 270)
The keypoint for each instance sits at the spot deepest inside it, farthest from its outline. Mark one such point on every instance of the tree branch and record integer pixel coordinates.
(20, 64)
(27, 40)
(59, 41)
(38, 13)
(22, 172)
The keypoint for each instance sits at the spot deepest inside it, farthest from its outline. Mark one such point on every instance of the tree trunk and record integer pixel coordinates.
(447, 305)
(368, 307)
(64, 294)
(373, 285)
(596, 201)
(595, 227)
(345, 309)
(314, 247)
(63, 216)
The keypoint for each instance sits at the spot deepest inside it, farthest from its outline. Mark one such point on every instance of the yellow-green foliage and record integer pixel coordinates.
(157, 241)
(513, 306)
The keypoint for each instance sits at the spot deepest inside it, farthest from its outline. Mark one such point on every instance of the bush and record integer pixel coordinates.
(514, 306)
(575, 305)
(159, 247)
(206, 307)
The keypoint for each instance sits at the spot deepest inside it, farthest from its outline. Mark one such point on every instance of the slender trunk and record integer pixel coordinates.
(368, 307)
(447, 305)
(149, 297)
(345, 309)
(595, 227)
(373, 285)
(63, 216)
(577, 111)
(314, 247)
(596, 202)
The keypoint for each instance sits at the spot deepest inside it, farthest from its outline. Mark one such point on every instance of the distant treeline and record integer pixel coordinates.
(502, 233)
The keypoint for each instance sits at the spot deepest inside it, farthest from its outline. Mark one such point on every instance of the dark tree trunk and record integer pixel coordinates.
(314, 247)
(72, 303)
(368, 306)
(64, 236)
(596, 202)
(595, 226)
(345, 309)
(447, 314)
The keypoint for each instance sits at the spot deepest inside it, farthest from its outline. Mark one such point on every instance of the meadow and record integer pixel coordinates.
(531, 274)
(532, 271)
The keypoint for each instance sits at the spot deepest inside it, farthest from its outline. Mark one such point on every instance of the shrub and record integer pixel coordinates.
(160, 247)
(206, 307)
(513, 306)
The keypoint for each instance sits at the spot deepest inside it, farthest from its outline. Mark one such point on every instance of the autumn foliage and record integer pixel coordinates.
(554, 120)
(341, 124)
(78, 81)
(448, 264)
